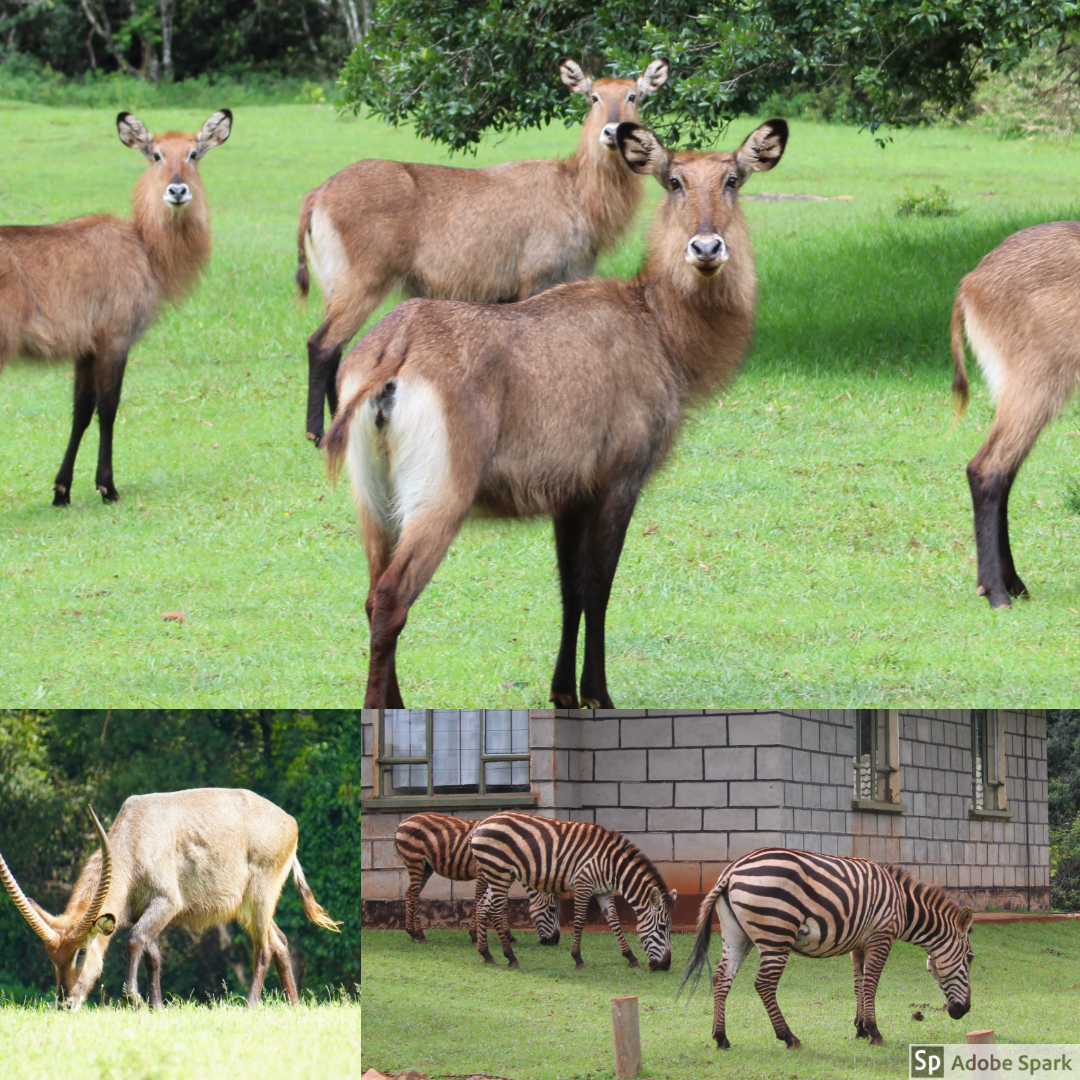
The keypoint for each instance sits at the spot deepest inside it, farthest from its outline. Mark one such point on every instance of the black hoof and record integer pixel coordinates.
(580, 964)
(876, 1040)
(61, 496)
(108, 493)
(513, 964)
(488, 958)
(635, 963)
(722, 1042)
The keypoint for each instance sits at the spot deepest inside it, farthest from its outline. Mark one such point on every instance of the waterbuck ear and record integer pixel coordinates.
(963, 920)
(574, 77)
(642, 151)
(105, 924)
(133, 133)
(215, 131)
(653, 77)
(763, 148)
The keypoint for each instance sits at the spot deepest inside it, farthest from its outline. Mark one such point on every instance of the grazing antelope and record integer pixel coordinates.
(1021, 309)
(561, 405)
(89, 288)
(492, 235)
(191, 859)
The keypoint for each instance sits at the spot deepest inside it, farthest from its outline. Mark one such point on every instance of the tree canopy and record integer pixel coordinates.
(458, 70)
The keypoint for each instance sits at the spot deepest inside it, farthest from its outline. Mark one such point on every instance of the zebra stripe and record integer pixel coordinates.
(825, 905)
(439, 844)
(577, 857)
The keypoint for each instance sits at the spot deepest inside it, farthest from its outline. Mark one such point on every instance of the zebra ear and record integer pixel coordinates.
(963, 920)
(656, 898)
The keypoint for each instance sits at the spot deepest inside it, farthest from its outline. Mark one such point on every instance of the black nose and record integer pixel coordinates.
(609, 131)
(661, 965)
(958, 1009)
(553, 940)
(707, 250)
(177, 191)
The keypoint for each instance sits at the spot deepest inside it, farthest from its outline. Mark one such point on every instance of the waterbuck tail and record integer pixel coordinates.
(312, 909)
(960, 380)
(699, 958)
(303, 279)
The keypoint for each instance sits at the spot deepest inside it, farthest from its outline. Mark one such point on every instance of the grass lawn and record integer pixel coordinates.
(439, 1008)
(810, 539)
(181, 1042)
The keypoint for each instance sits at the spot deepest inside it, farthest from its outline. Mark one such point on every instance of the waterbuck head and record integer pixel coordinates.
(75, 941)
(654, 927)
(700, 224)
(613, 101)
(950, 963)
(173, 176)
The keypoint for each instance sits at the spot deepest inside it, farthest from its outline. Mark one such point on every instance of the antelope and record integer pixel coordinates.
(1020, 308)
(191, 859)
(562, 405)
(496, 234)
(89, 288)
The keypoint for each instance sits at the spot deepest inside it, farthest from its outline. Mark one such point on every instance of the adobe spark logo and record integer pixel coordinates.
(927, 1061)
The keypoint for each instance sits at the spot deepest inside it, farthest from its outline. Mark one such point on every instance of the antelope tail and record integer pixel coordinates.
(303, 279)
(312, 908)
(699, 958)
(960, 380)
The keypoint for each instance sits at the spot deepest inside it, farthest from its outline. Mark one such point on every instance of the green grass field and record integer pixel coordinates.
(809, 540)
(181, 1042)
(439, 1008)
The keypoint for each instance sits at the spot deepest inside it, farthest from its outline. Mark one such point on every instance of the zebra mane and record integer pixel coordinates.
(634, 852)
(931, 895)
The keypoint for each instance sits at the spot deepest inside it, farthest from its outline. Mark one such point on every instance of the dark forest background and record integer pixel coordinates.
(1063, 767)
(53, 763)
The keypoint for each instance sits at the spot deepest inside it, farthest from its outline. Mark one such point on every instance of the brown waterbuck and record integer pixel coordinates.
(491, 235)
(1020, 308)
(562, 405)
(191, 859)
(90, 287)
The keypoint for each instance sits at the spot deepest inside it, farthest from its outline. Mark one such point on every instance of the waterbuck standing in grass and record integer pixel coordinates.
(495, 234)
(561, 405)
(1021, 309)
(191, 859)
(89, 288)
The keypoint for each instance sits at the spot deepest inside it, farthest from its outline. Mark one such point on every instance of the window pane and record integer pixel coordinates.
(978, 764)
(507, 731)
(865, 765)
(405, 734)
(456, 750)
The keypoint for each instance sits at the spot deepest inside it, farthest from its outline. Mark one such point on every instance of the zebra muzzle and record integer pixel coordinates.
(959, 1008)
(663, 964)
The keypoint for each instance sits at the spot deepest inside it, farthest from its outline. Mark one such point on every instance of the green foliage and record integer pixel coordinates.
(935, 203)
(457, 71)
(54, 763)
(1065, 867)
(1063, 766)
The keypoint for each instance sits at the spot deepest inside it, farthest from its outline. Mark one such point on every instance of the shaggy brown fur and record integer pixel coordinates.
(1021, 309)
(561, 405)
(492, 235)
(90, 287)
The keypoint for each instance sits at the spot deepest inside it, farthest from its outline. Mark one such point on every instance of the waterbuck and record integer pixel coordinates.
(191, 859)
(495, 234)
(90, 287)
(561, 405)
(1021, 309)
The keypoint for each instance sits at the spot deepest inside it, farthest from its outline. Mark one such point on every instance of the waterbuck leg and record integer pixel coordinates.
(152, 963)
(279, 945)
(323, 362)
(158, 914)
(605, 537)
(263, 953)
(772, 967)
(1013, 584)
(110, 380)
(570, 551)
(82, 413)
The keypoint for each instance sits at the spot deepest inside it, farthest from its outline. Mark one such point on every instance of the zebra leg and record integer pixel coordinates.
(479, 902)
(858, 957)
(418, 878)
(736, 945)
(612, 915)
(772, 967)
(496, 914)
(583, 890)
(877, 952)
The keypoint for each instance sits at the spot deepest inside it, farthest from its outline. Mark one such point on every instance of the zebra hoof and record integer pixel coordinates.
(514, 964)
(876, 1040)
(635, 963)
(580, 964)
(488, 958)
(793, 1043)
(722, 1042)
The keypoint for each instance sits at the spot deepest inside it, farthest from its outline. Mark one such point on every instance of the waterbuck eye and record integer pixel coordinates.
(732, 181)
(631, 97)
(191, 154)
(596, 97)
(674, 183)
(158, 155)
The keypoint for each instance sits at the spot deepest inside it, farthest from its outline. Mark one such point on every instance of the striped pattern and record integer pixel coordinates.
(575, 857)
(439, 844)
(823, 905)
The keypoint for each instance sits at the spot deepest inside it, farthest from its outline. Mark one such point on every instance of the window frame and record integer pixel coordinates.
(885, 758)
(383, 768)
(995, 798)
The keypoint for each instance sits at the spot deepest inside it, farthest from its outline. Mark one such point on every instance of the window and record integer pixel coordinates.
(988, 764)
(465, 757)
(877, 753)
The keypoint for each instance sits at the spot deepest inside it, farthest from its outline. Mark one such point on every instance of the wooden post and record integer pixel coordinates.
(624, 1019)
(980, 1036)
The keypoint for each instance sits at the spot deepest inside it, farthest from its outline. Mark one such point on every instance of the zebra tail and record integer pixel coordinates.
(699, 958)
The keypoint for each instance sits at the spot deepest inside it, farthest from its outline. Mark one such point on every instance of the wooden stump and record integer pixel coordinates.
(986, 1036)
(624, 1019)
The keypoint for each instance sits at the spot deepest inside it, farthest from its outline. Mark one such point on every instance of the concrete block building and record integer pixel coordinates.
(957, 797)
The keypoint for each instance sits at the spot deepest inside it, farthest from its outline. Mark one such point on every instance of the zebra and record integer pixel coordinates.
(572, 856)
(825, 905)
(439, 844)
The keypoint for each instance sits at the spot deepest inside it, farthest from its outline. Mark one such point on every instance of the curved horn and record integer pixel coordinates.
(94, 910)
(37, 923)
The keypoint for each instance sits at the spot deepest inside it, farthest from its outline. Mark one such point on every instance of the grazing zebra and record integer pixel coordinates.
(824, 905)
(572, 856)
(439, 844)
